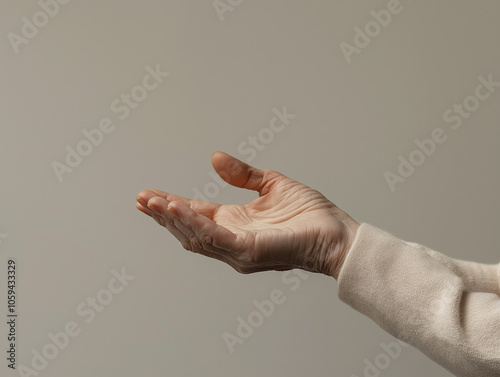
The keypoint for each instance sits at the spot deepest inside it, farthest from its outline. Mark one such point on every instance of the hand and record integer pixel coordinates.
(289, 226)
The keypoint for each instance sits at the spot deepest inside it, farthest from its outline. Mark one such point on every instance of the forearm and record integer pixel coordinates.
(448, 309)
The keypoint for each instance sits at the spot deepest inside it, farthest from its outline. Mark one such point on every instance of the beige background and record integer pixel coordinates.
(353, 121)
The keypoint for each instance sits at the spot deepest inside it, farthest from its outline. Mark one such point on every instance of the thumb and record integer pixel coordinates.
(237, 173)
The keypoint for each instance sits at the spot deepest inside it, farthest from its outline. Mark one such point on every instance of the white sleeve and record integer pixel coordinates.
(449, 309)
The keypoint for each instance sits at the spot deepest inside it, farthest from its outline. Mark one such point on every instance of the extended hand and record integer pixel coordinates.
(289, 226)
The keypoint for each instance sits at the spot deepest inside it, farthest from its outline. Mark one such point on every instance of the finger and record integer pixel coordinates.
(179, 235)
(160, 206)
(193, 241)
(207, 230)
(143, 209)
(188, 239)
(152, 211)
(240, 174)
(158, 211)
(205, 208)
(187, 243)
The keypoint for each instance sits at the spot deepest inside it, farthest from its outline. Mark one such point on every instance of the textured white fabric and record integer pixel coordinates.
(449, 309)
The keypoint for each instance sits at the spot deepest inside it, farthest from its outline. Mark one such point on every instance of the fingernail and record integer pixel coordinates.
(152, 207)
(141, 200)
(171, 209)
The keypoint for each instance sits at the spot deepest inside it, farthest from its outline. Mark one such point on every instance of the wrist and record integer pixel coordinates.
(343, 246)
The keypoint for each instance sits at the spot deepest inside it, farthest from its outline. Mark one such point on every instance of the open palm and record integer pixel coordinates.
(288, 226)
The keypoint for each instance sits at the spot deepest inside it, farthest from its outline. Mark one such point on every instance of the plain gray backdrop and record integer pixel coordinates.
(227, 73)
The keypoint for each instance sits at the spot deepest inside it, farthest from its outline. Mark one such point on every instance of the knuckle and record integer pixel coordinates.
(269, 174)
(196, 243)
(207, 239)
(194, 240)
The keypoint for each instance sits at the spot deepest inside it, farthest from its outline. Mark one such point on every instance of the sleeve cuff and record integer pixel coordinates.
(444, 307)
(382, 276)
